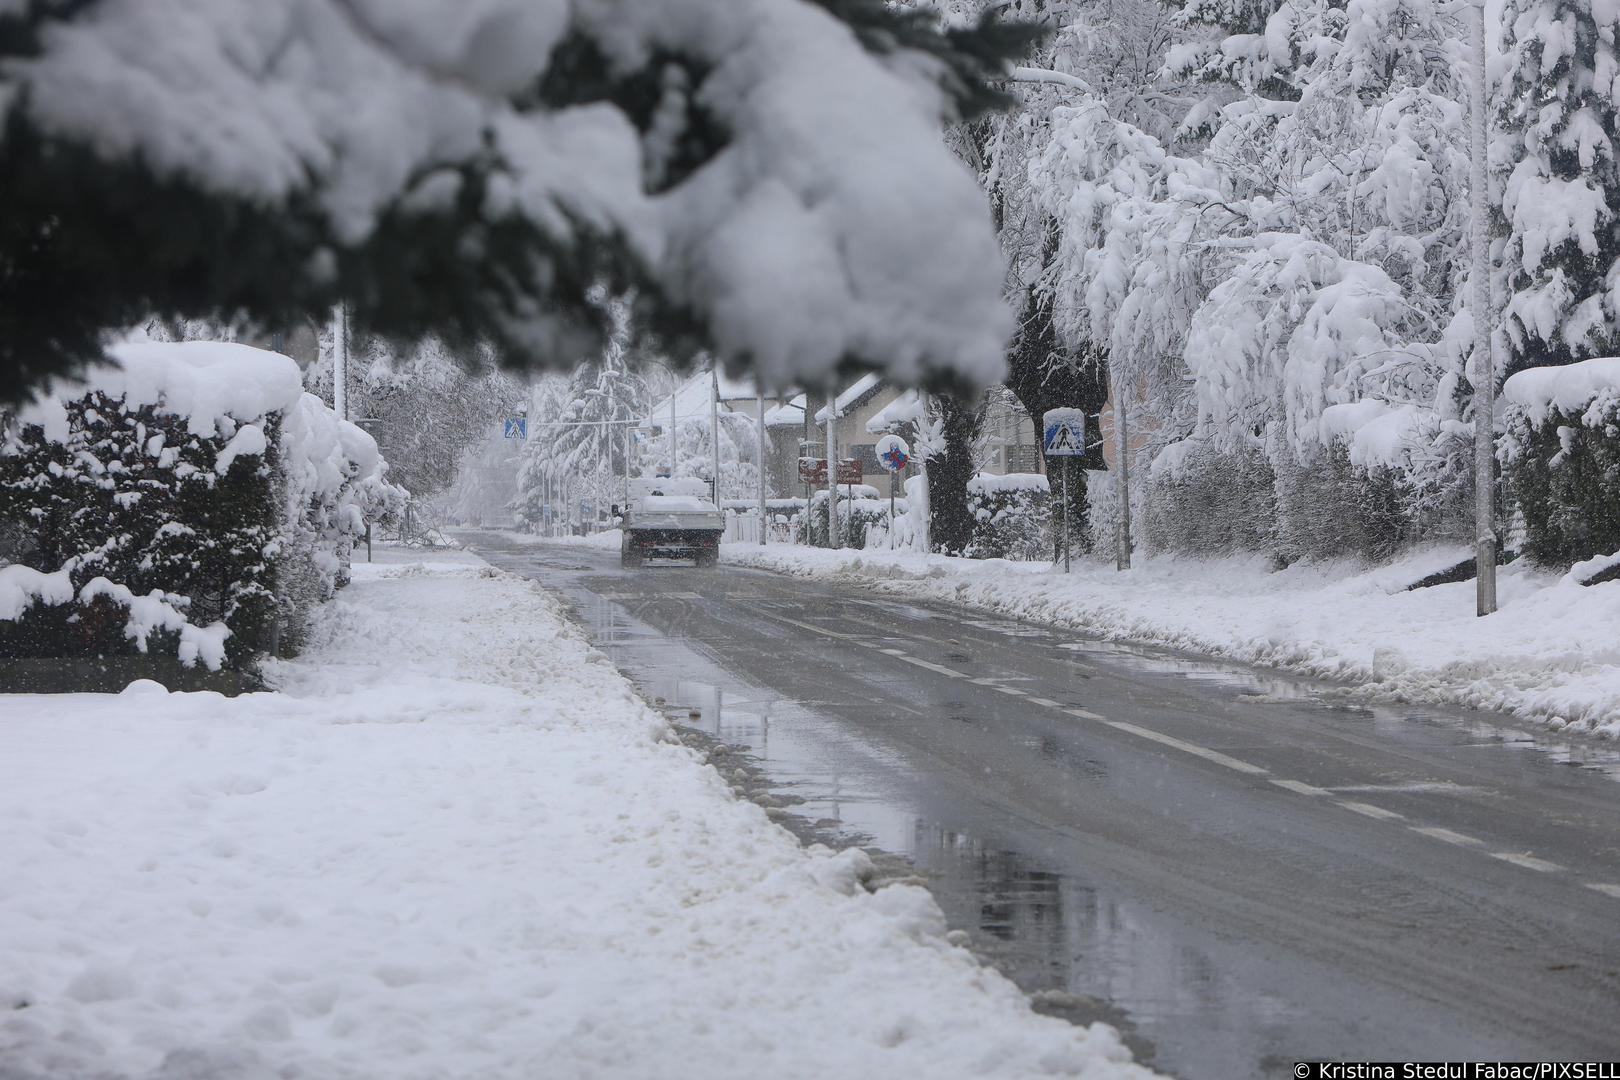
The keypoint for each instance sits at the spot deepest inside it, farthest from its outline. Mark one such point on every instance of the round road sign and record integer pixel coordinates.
(892, 452)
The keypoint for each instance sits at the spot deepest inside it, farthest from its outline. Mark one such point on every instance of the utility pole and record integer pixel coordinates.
(1122, 520)
(672, 440)
(927, 515)
(714, 426)
(832, 467)
(759, 452)
(1484, 370)
(628, 440)
(340, 361)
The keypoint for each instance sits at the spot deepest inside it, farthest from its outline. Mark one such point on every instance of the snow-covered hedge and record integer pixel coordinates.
(857, 514)
(1561, 458)
(1204, 499)
(190, 500)
(1011, 516)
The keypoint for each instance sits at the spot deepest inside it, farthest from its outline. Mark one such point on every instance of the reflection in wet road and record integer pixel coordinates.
(1239, 870)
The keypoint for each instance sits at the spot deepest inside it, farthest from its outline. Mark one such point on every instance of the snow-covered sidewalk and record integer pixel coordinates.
(1551, 652)
(455, 845)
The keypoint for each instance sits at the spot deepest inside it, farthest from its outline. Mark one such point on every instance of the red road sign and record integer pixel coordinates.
(813, 471)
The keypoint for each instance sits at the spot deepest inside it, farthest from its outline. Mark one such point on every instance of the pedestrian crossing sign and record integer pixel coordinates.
(1065, 433)
(516, 428)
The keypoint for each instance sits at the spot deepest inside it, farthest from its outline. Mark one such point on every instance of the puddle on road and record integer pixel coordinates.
(1078, 947)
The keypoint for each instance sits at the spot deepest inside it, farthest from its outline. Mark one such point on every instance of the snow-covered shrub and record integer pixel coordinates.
(47, 615)
(1327, 507)
(856, 511)
(1561, 458)
(1011, 516)
(1204, 501)
(864, 521)
(911, 512)
(332, 485)
(191, 500)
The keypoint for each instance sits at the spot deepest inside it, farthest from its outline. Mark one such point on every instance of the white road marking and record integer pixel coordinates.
(1300, 788)
(1411, 787)
(1372, 811)
(1437, 833)
(813, 629)
(1189, 748)
(930, 665)
(1529, 862)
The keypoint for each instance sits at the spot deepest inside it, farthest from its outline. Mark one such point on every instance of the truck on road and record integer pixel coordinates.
(671, 518)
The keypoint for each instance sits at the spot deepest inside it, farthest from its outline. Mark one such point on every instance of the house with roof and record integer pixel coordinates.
(867, 408)
(1009, 442)
(692, 397)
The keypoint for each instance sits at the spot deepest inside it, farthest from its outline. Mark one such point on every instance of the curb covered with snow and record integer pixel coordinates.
(455, 844)
(1551, 653)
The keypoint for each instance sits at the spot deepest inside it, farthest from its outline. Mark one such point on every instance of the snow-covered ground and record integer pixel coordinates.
(455, 844)
(1551, 652)
(607, 538)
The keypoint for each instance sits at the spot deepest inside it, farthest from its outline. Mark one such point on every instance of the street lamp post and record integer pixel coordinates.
(340, 362)
(714, 427)
(832, 467)
(1484, 373)
(759, 455)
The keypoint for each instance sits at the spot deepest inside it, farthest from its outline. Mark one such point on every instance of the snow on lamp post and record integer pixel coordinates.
(1483, 368)
(759, 453)
(832, 467)
(714, 428)
(340, 362)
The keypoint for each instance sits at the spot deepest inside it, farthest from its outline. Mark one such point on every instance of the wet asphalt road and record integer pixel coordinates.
(1240, 871)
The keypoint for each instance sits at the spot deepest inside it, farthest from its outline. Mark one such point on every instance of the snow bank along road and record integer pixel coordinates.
(457, 845)
(1299, 877)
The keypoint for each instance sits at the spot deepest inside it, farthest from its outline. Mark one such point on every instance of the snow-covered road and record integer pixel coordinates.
(455, 845)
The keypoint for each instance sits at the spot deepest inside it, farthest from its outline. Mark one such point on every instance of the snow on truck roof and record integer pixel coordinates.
(676, 502)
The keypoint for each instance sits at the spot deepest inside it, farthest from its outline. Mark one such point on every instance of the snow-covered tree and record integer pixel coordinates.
(485, 483)
(1107, 53)
(581, 433)
(424, 403)
(1560, 110)
(694, 453)
(766, 174)
(1290, 248)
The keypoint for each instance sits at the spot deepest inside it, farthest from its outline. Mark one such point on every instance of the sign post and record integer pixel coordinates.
(893, 454)
(1064, 437)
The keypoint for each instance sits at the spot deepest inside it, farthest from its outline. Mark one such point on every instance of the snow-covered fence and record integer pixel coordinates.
(1561, 458)
(742, 527)
(189, 500)
(1011, 516)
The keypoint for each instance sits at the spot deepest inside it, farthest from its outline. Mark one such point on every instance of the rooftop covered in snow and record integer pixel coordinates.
(852, 395)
